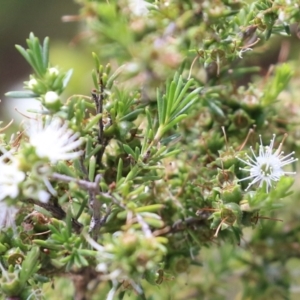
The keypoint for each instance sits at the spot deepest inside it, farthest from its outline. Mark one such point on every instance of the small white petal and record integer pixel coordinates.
(102, 267)
(43, 196)
(10, 177)
(7, 215)
(32, 82)
(54, 140)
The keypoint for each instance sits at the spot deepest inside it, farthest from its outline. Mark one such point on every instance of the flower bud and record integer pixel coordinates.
(52, 101)
(36, 85)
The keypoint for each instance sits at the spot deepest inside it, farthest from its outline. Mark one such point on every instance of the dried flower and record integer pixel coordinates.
(267, 166)
(10, 176)
(53, 140)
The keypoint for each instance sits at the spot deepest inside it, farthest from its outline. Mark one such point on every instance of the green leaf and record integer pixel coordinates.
(34, 64)
(178, 88)
(46, 52)
(95, 79)
(185, 108)
(30, 265)
(114, 76)
(160, 108)
(173, 123)
(21, 94)
(25, 54)
(183, 92)
(171, 139)
(170, 99)
(129, 151)
(277, 84)
(132, 115)
(96, 59)
(38, 56)
(67, 78)
(119, 169)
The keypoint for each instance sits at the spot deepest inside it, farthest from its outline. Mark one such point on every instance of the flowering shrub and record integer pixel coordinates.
(125, 185)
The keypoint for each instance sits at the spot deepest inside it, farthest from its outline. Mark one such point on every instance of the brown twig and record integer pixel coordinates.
(95, 205)
(87, 185)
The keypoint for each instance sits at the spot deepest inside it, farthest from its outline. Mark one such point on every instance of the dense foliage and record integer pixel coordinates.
(161, 169)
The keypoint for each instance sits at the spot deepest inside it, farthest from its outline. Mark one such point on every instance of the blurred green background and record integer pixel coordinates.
(44, 18)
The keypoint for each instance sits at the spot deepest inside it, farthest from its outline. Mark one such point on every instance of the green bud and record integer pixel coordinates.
(10, 284)
(231, 213)
(232, 193)
(240, 120)
(179, 264)
(37, 86)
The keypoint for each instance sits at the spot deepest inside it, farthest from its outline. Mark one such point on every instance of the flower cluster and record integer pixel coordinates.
(51, 141)
(267, 167)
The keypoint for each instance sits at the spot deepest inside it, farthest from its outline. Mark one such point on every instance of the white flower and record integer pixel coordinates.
(267, 166)
(7, 215)
(10, 176)
(139, 7)
(53, 140)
